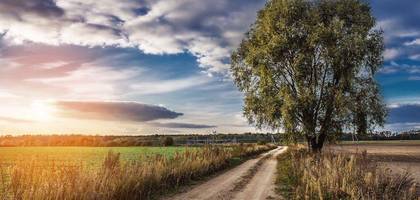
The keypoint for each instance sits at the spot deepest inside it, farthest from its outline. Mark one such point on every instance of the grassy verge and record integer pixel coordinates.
(302, 175)
(139, 179)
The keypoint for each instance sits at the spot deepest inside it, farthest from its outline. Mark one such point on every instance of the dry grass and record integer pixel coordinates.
(302, 175)
(142, 179)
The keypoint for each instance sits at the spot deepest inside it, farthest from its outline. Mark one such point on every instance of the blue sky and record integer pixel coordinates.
(166, 61)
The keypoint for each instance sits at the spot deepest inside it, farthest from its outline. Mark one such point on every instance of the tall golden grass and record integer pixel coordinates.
(302, 175)
(143, 179)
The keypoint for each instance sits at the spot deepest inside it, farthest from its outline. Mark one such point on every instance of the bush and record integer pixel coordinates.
(168, 141)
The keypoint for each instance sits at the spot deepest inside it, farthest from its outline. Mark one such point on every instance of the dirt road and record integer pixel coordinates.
(253, 180)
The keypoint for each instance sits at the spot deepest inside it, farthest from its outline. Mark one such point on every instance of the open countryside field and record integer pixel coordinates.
(112, 173)
(383, 142)
(90, 156)
(386, 151)
(398, 156)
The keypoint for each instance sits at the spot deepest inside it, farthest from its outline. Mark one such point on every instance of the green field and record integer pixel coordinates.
(84, 155)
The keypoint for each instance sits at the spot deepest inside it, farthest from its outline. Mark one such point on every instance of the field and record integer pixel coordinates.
(384, 142)
(398, 156)
(111, 173)
(90, 156)
(339, 175)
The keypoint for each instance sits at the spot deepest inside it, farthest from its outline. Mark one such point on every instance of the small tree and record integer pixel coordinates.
(168, 141)
(308, 68)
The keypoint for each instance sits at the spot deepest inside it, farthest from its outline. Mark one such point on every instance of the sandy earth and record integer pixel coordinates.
(253, 179)
(262, 184)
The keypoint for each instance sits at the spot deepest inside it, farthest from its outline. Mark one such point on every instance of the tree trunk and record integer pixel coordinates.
(316, 143)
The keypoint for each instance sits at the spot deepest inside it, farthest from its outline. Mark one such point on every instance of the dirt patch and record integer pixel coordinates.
(244, 180)
(262, 185)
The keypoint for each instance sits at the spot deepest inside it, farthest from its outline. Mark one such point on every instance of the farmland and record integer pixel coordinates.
(91, 156)
(398, 156)
(118, 173)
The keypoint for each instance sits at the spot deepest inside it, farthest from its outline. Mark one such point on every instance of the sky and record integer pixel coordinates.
(134, 67)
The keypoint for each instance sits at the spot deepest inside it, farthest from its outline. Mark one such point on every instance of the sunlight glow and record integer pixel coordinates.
(42, 111)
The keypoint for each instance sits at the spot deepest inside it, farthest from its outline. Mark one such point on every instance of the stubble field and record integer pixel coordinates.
(398, 156)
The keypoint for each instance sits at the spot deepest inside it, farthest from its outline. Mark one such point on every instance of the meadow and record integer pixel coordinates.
(90, 156)
(122, 173)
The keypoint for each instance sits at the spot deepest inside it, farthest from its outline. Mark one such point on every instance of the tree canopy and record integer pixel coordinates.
(308, 68)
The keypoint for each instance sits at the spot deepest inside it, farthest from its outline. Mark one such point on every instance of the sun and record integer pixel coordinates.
(42, 111)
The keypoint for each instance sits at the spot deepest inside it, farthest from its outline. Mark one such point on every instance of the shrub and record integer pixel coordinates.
(261, 142)
(168, 141)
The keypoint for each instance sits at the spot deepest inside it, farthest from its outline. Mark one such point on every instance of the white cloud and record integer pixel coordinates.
(396, 67)
(165, 86)
(91, 35)
(401, 126)
(390, 54)
(415, 57)
(53, 65)
(414, 78)
(207, 29)
(91, 81)
(414, 42)
(6, 94)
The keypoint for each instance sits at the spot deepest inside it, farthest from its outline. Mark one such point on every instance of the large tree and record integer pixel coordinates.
(308, 67)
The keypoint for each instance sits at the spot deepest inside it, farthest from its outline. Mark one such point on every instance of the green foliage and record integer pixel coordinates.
(308, 67)
(261, 142)
(168, 141)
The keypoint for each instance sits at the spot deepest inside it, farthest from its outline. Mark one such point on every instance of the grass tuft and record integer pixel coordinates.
(302, 175)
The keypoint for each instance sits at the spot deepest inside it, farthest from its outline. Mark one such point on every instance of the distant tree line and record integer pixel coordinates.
(120, 141)
(383, 135)
(77, 140)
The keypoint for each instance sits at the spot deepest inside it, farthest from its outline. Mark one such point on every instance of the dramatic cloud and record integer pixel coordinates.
(398, 20)
(79, 73)
(181, 125)
(37, 71)
(114, 111)
(42, 8)
(405, 113)
(208, 30)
